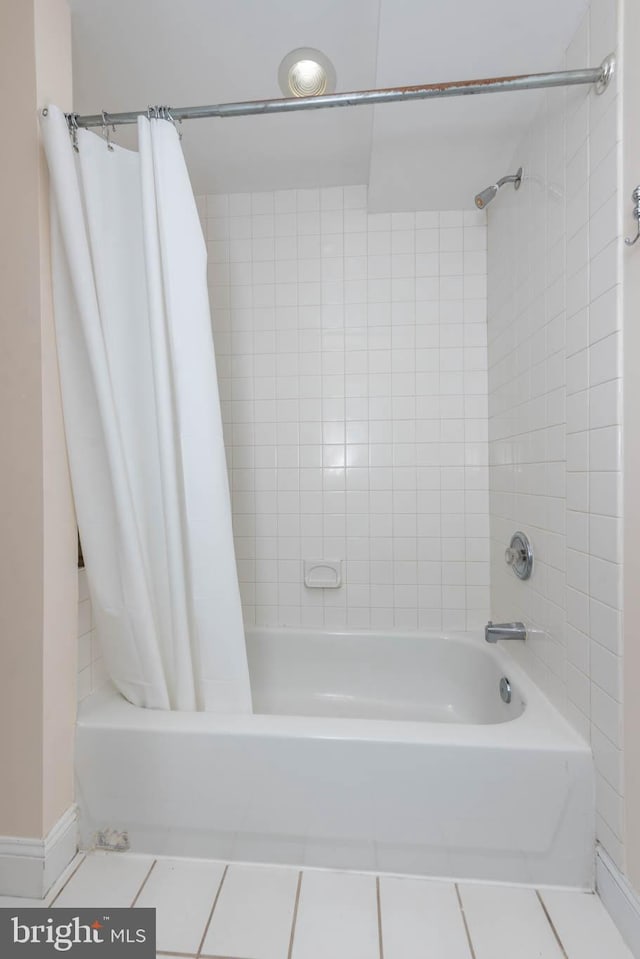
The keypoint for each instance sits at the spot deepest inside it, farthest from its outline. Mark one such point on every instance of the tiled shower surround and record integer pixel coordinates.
(555, 332)
(352, 365)
(91, 671)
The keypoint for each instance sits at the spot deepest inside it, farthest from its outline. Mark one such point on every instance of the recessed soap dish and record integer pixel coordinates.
(323, 573)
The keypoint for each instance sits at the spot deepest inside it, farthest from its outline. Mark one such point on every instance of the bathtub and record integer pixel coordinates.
(369, 751)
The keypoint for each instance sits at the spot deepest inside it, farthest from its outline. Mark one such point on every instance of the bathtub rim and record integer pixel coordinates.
(540, 725)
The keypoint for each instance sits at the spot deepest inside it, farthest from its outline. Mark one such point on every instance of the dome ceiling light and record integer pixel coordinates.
(306, 72)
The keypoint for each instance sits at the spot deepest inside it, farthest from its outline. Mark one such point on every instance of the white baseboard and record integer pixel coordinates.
(29, 867)
(620, 900)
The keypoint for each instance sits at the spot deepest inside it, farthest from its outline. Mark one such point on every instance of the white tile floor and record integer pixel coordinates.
(239, 911)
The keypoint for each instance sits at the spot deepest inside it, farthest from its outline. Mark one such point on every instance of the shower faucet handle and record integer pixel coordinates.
(519, 555)
(512, 555)
(635, 196)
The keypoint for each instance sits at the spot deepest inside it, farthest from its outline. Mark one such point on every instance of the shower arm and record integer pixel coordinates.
(598, 76)
(512, 178)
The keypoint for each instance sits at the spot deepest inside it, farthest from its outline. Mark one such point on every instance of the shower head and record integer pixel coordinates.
(485, 196)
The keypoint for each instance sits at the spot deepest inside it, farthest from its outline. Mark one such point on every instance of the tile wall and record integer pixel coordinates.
(351, 354)
(554, 351)
(91, 671)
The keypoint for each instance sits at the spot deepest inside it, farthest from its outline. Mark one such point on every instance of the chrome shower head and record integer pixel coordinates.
(485, 196)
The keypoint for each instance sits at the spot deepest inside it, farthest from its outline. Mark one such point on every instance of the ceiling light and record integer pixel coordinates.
(306, 72)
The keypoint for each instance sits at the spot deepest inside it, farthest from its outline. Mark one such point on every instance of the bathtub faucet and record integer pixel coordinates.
(495, 631)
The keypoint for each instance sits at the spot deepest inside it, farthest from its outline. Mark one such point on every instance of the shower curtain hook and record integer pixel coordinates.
(72, 123)
(172, 119)
(105, 130)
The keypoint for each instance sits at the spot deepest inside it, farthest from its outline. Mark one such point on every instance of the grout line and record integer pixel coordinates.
(550, 921)
(464, 920)
(294, 918)
(215, 903)
(144, 882)
(379, 909)
(67, 881)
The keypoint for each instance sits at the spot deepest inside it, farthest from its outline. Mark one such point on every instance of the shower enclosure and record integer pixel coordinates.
(352, 362)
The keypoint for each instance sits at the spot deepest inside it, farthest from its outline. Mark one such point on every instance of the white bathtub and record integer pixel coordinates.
(379, 752)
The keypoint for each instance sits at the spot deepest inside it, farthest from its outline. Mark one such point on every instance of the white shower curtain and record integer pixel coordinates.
(142, 418)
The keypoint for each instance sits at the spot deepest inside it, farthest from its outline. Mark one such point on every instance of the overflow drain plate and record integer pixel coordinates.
(505, 690)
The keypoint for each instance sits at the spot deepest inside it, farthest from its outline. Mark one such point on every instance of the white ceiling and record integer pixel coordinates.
(430, 155)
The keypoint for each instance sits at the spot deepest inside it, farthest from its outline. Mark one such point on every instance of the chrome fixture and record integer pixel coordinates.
(607, 71)
(519, 555)
(635, 196)
(485, 196)
(599, 77)
(505, 690)
(495, 631)
(105, 132)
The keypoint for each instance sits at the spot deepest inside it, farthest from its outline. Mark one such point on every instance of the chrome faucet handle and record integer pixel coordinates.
(512, 555)
(519, 555)
(635, 196)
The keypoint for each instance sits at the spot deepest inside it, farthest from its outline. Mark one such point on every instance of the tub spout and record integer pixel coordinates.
(495, 631)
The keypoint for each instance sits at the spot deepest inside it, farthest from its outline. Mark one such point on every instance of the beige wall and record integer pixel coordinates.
(631, 293)
(53, 85)
(37, 529)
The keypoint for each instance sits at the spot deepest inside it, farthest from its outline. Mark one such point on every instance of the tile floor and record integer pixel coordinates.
(239, 911)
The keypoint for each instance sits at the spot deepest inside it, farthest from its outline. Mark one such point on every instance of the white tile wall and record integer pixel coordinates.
(554, 407)
(91, 671)
(351, 356)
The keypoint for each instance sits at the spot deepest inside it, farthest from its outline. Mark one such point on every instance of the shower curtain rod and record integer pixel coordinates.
(600, 76)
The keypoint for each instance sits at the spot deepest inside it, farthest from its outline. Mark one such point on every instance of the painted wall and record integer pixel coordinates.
(555, 414)
(351, 355)
(37, 560)
(53, 84)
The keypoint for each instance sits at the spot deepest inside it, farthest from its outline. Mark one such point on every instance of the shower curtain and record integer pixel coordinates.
(142, 418)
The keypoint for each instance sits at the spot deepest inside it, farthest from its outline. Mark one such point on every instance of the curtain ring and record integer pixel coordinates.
(72, 123)
(175, 122)
(105, 131)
